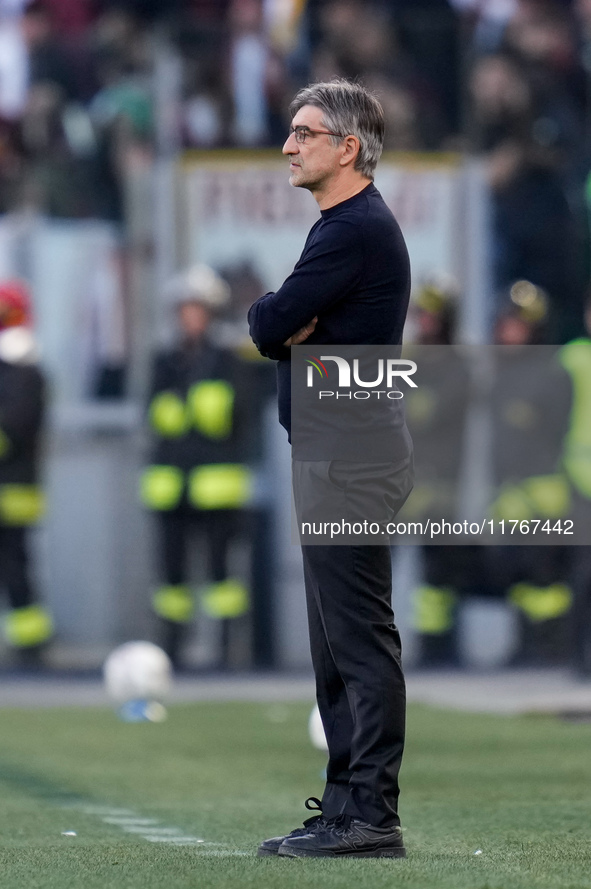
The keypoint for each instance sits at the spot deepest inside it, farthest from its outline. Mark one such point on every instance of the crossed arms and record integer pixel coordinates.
(327, 271)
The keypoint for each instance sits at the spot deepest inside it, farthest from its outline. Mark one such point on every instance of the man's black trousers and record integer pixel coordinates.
(359, 682)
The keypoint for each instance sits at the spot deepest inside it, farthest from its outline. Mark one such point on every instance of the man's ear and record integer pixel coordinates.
(351, 147)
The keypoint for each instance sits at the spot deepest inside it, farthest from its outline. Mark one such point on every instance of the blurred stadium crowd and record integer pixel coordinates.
(505, 79)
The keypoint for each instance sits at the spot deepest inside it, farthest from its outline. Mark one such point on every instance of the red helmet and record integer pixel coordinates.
(15, 305)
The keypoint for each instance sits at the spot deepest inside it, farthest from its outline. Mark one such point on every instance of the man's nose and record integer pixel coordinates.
(290, 145)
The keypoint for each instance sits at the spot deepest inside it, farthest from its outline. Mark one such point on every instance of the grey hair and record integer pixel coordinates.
(348, 108)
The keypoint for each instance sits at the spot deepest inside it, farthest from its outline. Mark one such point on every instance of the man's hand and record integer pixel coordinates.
(300, 335)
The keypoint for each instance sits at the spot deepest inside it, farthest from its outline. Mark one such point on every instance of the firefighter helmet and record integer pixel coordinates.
(15, 305)
(200, 284)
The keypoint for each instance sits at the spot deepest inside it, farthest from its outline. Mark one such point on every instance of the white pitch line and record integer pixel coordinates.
(147, 828)
(152, 830)
(174, 841)
(228, 853)
(101, 810)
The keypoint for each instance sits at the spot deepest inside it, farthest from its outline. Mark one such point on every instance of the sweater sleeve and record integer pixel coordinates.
(326, 273)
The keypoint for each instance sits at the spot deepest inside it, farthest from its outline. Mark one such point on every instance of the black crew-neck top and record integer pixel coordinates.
(353, 274)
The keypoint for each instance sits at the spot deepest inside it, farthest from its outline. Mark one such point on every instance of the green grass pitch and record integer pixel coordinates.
(231, 774)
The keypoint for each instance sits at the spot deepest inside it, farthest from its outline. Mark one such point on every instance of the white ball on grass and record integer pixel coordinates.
(137, 671)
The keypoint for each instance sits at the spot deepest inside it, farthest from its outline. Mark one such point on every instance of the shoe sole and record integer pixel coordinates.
(397, 852)
(264, 853)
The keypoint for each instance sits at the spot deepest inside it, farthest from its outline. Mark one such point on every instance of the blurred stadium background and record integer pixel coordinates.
(139, 137)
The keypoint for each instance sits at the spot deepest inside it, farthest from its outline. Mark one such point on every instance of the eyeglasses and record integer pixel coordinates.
(302, 133)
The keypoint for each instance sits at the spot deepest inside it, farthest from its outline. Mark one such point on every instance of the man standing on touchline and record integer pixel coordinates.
(350, 286)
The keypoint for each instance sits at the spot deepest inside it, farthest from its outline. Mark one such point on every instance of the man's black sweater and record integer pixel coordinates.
(353, 274)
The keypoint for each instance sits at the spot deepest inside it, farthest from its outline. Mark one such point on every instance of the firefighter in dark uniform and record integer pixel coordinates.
(196, 479)
(436, 415)
(530, 408)
(528, 403)
(28, 625)
(575, 357)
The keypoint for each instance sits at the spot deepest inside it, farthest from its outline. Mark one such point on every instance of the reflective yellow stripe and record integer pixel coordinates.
(220, 486)
(541, 496)
(4, 444)
(168, 415)
(21, 504)
(549, 494)
(576, 359)
(174, 603)
(423, 497)
(161, 487)
(211, 403)
(433, 611)
(541, 603)
(421, 406)
(29, 626)
(247, 351)
(512, 503)
(225, 599)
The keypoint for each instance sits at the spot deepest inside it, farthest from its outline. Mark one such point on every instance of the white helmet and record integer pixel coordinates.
(199, 283)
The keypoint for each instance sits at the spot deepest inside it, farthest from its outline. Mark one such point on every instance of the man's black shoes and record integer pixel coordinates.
(341, 837)
(271, 846)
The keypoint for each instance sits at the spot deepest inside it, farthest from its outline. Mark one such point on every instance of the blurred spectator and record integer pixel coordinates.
(485, 22)
(388, 46)
(236, 78)
(543, 37)
(11, 165)
(249, 53)
(148, 11)
(72, 18)
(121, 110)
(206, 110)
(48, 57)
(208, 10)
(201, 40)
(123, 71)
(502, 102)
(406, 128)
(582, 13)
(534, 229)
(544, 34)
(430, 33)
(13, 60)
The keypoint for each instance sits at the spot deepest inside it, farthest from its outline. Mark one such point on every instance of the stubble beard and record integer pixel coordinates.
(299, 179)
